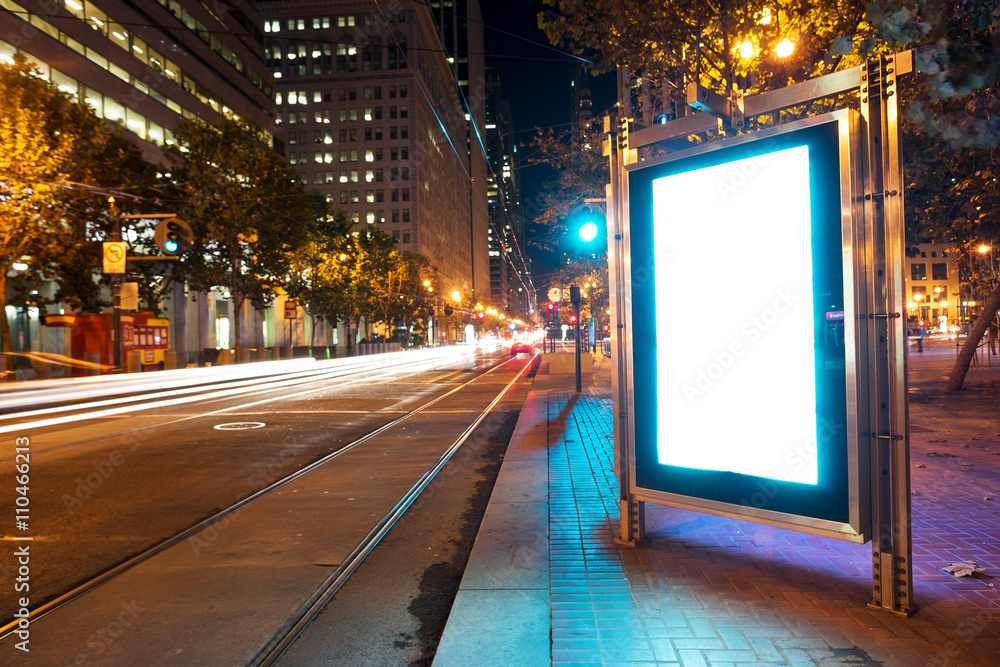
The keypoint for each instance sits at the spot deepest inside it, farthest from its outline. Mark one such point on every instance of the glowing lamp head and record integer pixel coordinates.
(784, 48)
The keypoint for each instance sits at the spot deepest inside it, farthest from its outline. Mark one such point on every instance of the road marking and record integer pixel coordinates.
(441, 377)
(239, 426)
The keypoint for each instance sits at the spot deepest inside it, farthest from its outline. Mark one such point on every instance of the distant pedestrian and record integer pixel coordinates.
(920, 338)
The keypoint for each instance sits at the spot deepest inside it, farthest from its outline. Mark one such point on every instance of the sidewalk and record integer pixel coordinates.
(545, 583)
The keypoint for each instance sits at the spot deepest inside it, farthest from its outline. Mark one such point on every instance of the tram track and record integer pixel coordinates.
(285, 635)
(271, 652)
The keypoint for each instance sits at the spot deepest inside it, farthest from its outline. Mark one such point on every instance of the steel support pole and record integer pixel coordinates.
(892, 558)
(576, 361)
(632, 523)
(116, 293)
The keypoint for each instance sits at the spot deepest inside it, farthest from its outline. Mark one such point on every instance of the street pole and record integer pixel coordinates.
(116, 293)
(579, 381)
(574, 297)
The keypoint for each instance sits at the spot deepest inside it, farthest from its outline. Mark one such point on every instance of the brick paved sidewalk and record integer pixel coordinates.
(709, 590)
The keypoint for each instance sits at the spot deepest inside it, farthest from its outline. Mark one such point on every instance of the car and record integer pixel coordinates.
(517, 348)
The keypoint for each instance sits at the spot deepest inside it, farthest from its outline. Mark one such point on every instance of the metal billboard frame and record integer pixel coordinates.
(877, 280)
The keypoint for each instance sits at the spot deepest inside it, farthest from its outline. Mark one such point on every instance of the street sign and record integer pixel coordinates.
(130, 296)
(555, 294)
(114, 257)
(291, 310)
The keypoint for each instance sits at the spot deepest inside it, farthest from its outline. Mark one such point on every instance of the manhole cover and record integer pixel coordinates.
(239, 426)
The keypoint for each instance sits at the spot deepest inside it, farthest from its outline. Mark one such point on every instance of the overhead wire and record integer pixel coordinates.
(434, 111)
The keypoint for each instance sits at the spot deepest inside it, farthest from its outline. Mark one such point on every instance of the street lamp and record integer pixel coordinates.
(983, 249)
(784, 48)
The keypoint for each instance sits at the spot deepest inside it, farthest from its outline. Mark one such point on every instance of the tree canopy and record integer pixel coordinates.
(58, 164)
(953, 126)
(247, 209)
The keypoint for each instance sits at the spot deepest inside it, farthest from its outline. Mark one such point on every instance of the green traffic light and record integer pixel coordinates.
(588, 232)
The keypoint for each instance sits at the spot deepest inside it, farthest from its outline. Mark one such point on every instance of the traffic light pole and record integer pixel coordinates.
(116, 292)
(574, 298)
(576, 325)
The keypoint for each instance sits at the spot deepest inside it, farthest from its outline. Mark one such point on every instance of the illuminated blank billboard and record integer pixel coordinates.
(744, 387)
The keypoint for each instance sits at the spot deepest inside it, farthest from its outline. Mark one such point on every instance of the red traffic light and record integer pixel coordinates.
(572, 319)
(481, 315)
(551, 307)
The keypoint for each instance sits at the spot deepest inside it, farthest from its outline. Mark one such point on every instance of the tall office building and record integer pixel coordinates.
(374, 118)
(460, 28)
(146, 66)
(510, 279)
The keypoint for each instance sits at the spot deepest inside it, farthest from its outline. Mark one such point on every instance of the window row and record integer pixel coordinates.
(104, 106)
(209, 37)
(939, 271)
(348, 155)
(110, 29)
(374, 196)
(324, 22)
(300, 59)
(373, 217)
(367, 114)
(351, 134)
(343, 94)
(356, 175)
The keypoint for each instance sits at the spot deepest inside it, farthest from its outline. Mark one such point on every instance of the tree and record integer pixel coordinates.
(582, 172)
(247, 208)
(954, 129)
(718, 44)
(958, 50)
(399, 298)
(358, 275)
(57, 162)
(315, 278)
(954, 106)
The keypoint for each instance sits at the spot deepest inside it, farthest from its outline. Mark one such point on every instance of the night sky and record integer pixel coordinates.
(536, 79)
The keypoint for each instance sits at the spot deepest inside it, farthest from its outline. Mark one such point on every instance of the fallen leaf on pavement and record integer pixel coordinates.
(966, 568)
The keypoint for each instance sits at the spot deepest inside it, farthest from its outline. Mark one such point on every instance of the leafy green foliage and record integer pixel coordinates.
(581, 173)
(247, 209)
(341, 274)
(57, 155)
(717, 44)
(958, 49)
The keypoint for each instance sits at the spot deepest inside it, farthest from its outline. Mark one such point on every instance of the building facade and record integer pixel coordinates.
(510, 278)
(146, 67)
(375, 119)
(933, 287)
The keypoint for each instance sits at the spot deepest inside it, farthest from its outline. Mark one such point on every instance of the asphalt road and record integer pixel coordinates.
(105, 490)
(393, 610)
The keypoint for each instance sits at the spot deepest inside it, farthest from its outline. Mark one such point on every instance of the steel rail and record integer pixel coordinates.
(280, 642)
